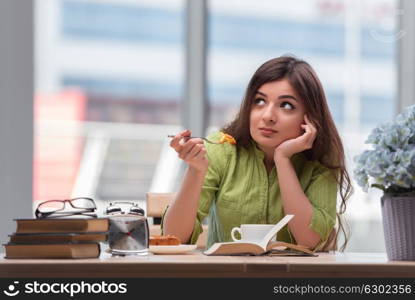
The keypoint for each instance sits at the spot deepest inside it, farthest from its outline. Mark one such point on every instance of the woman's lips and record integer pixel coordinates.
(267, 131)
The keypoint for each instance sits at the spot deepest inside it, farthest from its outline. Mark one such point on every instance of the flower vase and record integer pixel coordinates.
(398, 214)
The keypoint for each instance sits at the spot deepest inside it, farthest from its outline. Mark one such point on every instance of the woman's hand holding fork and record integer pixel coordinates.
(192, 151)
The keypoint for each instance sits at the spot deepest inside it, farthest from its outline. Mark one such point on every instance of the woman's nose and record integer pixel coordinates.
(269, 115)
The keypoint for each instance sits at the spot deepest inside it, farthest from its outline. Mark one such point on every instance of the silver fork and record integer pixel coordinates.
(197, 137)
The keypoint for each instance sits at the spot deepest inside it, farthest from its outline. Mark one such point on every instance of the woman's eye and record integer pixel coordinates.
(287, 105)
(259, 101)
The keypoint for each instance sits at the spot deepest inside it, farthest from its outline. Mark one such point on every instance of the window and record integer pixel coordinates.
(350, 44)
(109, 77)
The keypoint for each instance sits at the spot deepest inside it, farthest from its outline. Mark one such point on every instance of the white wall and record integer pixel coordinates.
(16, 113)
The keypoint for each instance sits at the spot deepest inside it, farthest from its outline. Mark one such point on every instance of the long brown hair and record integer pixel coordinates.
(327, 148)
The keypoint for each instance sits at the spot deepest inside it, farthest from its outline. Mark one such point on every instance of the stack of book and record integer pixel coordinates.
(57, 238)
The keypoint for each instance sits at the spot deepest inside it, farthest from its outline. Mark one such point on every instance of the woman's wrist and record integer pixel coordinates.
(280, 157)
(197, 172)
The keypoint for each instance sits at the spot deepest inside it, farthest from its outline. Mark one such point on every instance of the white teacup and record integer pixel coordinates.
(251, 232)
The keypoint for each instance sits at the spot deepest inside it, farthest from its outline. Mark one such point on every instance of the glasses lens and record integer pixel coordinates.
(51, 206)
(85, 203)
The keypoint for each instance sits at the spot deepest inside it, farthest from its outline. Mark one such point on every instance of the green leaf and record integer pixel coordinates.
(379, 186)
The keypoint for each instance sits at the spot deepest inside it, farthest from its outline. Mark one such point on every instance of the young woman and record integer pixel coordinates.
(288, 159)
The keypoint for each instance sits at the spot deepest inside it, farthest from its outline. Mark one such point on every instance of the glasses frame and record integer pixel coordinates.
(58, 213)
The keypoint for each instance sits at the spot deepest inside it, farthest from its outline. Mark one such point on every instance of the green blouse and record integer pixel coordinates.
(238, 190)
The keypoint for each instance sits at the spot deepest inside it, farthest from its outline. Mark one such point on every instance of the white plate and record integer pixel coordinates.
(172, 249)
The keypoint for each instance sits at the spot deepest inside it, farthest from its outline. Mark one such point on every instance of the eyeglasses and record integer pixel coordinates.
(56, 208)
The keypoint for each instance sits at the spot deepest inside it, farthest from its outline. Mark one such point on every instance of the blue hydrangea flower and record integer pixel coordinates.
(390, 164)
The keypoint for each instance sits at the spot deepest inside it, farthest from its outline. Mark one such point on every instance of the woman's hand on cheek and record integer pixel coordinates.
(304, 142)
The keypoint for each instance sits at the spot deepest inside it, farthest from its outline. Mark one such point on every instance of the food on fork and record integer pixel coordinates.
(164, 240)
(227, 138)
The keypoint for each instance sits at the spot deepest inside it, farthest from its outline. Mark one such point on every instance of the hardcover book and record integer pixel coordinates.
(69, 250)
(56, 238)
(62, 225)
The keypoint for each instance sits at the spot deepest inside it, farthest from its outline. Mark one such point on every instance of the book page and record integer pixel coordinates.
(275, 230)
(229, 248)
(283, 246)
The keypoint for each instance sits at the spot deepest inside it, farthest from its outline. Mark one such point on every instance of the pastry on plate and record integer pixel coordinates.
(164, 240)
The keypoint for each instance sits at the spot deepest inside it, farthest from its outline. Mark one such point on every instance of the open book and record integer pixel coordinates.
(265, 247)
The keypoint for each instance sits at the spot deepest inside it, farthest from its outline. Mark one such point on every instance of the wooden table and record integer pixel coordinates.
(195, 264)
